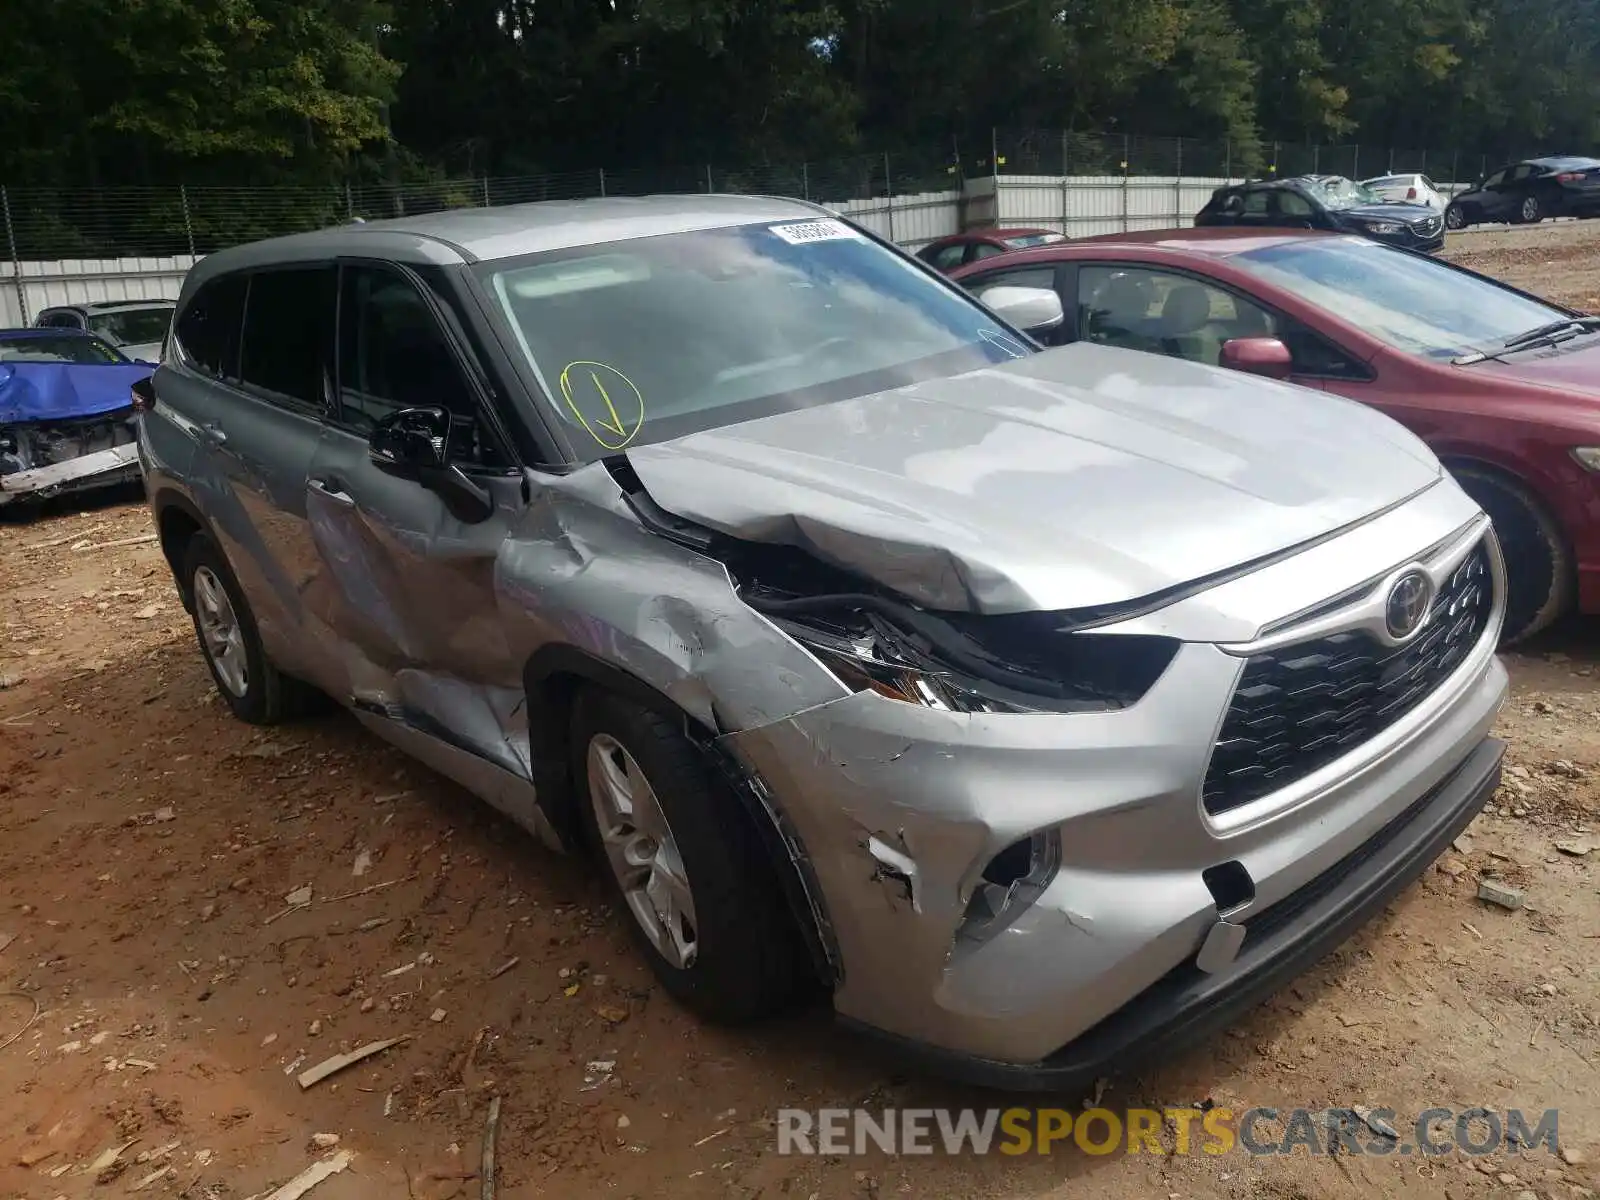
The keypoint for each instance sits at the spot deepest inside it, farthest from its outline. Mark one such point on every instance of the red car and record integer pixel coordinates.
(976, 245)
(1504, 386)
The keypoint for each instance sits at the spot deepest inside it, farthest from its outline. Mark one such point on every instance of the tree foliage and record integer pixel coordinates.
(116, 92)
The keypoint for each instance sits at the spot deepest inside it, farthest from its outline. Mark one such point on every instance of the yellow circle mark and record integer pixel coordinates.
(617, 419)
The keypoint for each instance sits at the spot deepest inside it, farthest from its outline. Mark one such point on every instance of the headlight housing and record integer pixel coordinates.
(1588, 457)
(1383, 227)
(1024, 662)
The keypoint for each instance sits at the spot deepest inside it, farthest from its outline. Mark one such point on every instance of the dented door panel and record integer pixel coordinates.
(410, 598)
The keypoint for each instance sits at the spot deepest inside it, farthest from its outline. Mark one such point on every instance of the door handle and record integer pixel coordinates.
(213, 434)
(333, 491)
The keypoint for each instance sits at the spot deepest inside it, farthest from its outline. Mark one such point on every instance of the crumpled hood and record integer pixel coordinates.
(1406, 214)
(34, 391)
(1074, 478)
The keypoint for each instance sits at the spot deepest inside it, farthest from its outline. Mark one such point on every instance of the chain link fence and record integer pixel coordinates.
(177, 220)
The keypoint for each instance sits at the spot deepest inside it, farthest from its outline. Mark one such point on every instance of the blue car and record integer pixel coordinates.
(67, 411)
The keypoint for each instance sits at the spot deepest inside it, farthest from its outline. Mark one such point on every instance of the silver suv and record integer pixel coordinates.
(1045, 707)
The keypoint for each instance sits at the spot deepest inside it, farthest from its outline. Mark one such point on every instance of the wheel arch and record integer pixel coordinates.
(178, 520)
(552, 678)
(1536, 495)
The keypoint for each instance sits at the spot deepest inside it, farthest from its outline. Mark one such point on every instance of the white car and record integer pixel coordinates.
(137, 328)
(1408, 189)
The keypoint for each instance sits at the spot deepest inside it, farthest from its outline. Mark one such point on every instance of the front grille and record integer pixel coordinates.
(1300, 707)
(1429, 226)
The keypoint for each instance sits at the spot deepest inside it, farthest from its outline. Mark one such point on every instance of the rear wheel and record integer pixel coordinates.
(703, 904)
(254, 689)
(1539, 570)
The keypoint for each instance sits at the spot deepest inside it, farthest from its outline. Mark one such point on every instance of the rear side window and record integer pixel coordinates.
(208, 330)
(288, 334)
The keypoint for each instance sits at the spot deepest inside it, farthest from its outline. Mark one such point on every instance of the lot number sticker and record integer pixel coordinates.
(803, 233)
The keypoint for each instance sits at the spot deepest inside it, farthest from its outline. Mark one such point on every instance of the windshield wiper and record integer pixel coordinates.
(1547, 334)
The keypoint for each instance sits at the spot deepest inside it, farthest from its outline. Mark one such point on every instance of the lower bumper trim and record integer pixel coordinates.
(116, 465)
(1280, 945)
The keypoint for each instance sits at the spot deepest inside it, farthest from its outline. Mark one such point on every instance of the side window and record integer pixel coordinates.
(1164, 313)
(1315, 355)
(1293, 204)
(208, 329)
(1495, 180)
(983, 250)
(287, 347)
(1255, 204)
(393, 355)
(947, 258)
(1029, 277)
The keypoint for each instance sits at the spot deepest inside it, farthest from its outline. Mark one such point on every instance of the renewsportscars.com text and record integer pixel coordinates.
(1259, 1132)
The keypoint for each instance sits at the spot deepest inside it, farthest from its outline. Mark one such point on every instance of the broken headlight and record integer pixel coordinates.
(1026, 662)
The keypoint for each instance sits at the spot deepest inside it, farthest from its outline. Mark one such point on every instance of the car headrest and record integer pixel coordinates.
(1187, 308)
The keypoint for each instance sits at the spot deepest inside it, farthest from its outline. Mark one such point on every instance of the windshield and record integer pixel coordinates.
(1344, 193)
(56, 348)
(1414, 304)
(649, 339)
(1024, 241)
(132, 326)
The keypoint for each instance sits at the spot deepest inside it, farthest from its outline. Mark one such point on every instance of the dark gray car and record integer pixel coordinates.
(1040, 705)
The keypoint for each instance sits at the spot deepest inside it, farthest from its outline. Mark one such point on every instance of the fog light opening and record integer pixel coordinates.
(1230, 886)
(1011, 882)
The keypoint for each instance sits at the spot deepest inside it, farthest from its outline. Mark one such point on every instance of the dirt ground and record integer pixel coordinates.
(149, 847)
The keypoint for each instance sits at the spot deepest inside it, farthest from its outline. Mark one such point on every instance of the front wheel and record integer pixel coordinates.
(1455, 218)
(702, 901)
(1539, 570)
(1530, 213)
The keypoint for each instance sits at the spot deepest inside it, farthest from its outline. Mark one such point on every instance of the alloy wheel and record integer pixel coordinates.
(641, 851)
(220, 633)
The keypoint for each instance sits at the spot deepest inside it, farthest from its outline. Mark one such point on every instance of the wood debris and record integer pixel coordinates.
(490, 1131)
(339, 1062)
(85, 547)
(316, 1173)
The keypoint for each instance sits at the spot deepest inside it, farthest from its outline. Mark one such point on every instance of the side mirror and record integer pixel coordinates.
(1032, 310)
(414, 443)
(1258, 356)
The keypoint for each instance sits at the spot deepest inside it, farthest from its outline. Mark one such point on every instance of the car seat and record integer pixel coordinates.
(1186, 328)
(1116, 314)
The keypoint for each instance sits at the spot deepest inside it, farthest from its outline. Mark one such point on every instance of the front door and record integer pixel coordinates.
(411, 587)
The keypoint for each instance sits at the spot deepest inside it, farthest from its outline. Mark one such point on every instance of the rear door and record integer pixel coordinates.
(411, 587)
(252, 394)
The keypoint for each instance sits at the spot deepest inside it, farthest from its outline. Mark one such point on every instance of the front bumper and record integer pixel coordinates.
(1187, 1004)
(897, 810)
(119, 464)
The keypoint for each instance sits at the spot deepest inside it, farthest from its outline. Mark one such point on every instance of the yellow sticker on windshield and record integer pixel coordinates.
(606, 402)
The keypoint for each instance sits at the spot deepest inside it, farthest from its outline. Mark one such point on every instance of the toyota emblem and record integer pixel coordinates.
(1407, 606)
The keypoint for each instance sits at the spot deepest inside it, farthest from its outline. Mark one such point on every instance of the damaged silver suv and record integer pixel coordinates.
(1045, 707)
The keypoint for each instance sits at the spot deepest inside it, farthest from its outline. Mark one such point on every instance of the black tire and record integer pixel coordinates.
(1540, 579)
(750, 961)
(1455, 218)
(268, 697)
(1530, 211)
